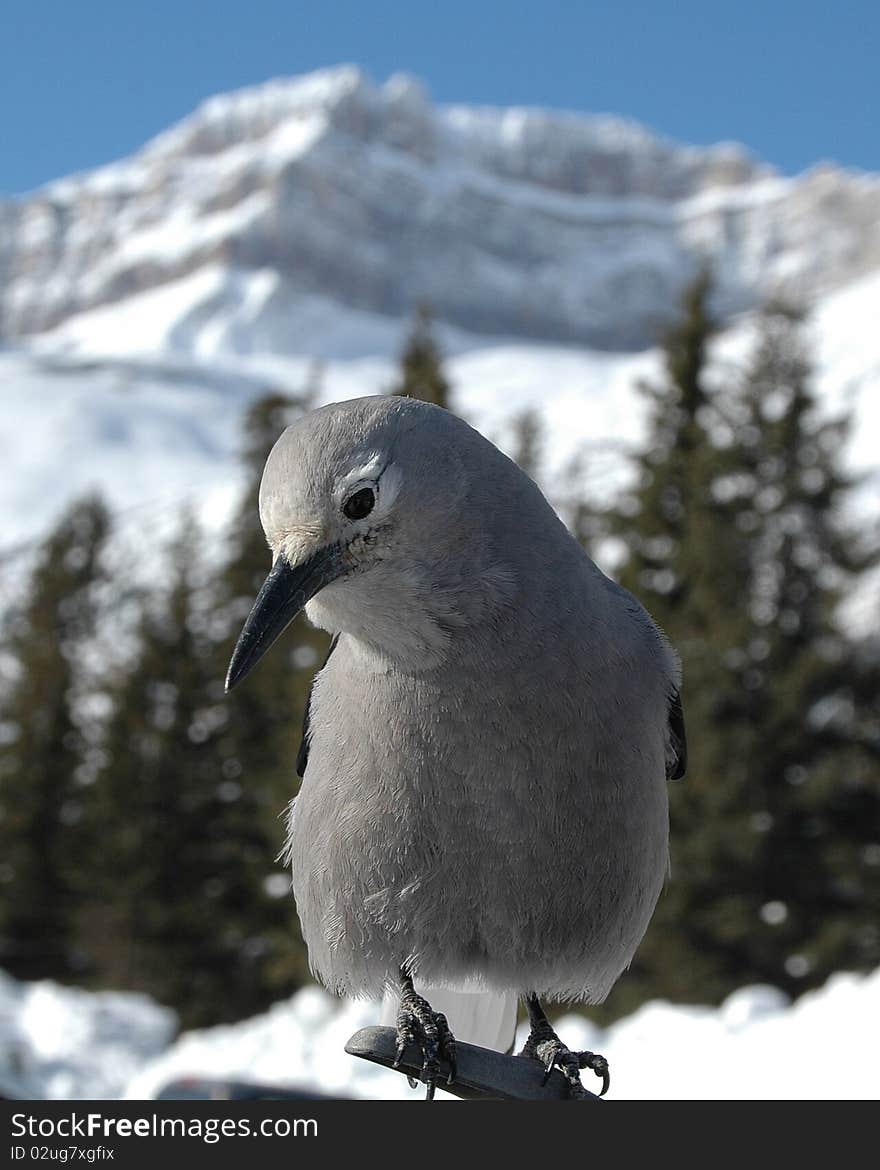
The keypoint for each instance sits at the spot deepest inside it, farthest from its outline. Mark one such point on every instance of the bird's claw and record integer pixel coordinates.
(546, 1046)
(418, 1023)
(599, 1066)
(554, 1054)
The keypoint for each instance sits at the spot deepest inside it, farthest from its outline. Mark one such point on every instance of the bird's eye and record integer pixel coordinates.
(360, 504)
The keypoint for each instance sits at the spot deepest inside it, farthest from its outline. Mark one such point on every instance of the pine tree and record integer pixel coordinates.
(814, 780)
(734, 544)
(673, 510)
(686, 562)
(150, 813)
(421, 365)
(199, 911)
(528, 442)
(42, 747)
(183, 847)
(264, 718)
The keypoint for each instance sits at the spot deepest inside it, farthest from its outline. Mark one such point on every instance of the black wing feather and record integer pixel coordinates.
(302, 756)
(677, 740)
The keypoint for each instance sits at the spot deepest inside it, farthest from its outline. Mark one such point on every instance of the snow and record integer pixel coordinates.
(58, 1042)
(61, 1042)
(177, 234)
(147, 438)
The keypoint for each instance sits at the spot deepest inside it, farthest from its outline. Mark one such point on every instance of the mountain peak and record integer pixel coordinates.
(227, 119)
(519, 221)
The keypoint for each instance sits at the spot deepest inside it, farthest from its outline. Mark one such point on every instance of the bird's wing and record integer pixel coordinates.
(678, 748)
(302, 756)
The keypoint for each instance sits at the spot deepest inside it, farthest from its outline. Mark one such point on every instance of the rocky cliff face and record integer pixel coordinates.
(514, 222)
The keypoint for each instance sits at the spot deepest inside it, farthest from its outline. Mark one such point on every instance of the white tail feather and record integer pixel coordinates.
(486, 1018)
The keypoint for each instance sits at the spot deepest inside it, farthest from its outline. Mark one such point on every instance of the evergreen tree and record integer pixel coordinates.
(421, 366)
(668, 520)
(734, 544)
(580, 504)
(261, 737)
(686, 560)
(184, 847)
(199, 912)
(150, 812)
(41, 750)
(528, 442)
(814, 780)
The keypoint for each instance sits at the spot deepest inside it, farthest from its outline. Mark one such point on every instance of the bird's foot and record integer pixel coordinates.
(418, 1023)
(544, 1045)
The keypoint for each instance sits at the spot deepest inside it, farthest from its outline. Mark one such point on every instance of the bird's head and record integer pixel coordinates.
(363, 504)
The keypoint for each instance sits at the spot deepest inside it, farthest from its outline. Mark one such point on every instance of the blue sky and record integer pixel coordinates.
(85, 81)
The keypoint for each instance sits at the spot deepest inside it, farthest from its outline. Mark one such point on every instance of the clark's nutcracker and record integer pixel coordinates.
(486, 749)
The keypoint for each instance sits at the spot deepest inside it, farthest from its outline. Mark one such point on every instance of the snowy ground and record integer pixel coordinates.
(58, 1042)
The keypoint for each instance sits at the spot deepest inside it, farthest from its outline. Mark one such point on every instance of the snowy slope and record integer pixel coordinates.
(152, 428)
(57, 1042)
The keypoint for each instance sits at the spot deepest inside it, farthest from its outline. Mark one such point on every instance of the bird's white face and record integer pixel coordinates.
(352, 511)
(361, 514)
(363, 509)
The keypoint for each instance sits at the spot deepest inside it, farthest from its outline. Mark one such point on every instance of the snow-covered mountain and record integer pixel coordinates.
(519, 222)
(144, 303)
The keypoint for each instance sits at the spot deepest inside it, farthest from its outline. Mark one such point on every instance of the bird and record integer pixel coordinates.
(486, 750)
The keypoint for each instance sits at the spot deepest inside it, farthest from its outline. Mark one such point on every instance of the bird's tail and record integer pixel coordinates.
(486, 1018)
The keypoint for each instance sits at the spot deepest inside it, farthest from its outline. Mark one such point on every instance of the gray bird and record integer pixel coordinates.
(487, 747)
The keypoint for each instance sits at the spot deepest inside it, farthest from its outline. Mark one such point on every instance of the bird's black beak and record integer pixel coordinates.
(284, 593)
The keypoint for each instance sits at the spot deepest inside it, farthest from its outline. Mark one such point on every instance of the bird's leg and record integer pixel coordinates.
(418, 1023)
(543, 1044)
